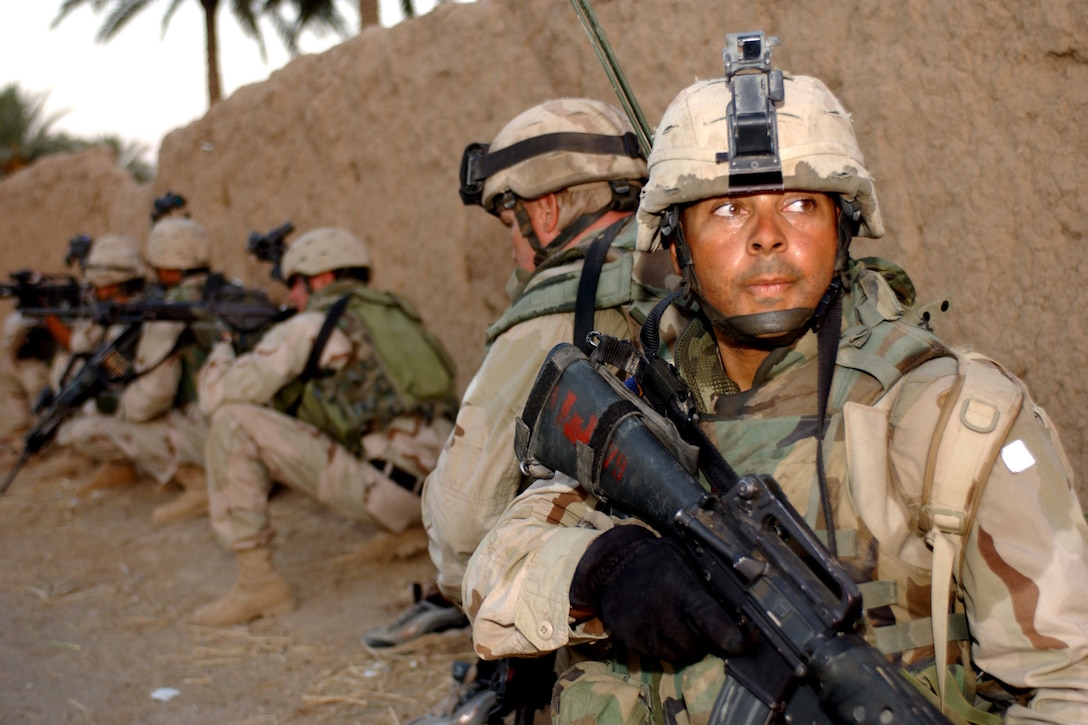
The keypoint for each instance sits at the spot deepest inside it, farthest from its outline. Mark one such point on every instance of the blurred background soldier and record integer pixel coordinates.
(26, 351)
(348, 401)
(158, 424)
(115, 272)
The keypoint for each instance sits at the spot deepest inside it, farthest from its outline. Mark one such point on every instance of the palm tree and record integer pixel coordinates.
(368, 11)
(318, 15)
(25, 133)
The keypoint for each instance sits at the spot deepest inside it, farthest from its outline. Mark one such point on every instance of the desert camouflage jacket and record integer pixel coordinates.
(477, 475)
(161, 362)
(1022, 587)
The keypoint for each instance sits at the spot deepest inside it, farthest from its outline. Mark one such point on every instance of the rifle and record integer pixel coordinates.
(245, 312)
(79, 248)
(33, 290)
(110, 366)
(244, 317)
(270, 247)
(806, 660)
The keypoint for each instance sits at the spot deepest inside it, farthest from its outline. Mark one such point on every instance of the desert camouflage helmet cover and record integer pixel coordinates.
(817, 147)
(561, 169)
(323, 250)
(114, 259)
(178, 243)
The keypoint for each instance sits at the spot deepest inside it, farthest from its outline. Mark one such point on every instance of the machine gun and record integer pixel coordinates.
(270, 247)
(806, 660)
(109, 367)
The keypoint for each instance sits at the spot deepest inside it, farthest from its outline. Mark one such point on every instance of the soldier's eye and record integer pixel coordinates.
(727, 209)
(800, 204)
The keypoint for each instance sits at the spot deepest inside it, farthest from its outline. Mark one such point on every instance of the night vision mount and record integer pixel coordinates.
(756, 89)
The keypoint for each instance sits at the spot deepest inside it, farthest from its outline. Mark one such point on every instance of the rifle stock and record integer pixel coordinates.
(806, 659)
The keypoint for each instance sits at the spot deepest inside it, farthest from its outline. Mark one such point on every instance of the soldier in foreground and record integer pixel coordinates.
(765, 258)
(349, 401)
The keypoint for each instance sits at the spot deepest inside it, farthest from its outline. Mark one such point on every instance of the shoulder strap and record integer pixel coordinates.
(314, 361)
(981, 407)
(586, 303)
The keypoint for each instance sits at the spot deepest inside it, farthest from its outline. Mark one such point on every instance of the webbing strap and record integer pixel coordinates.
(313, 362)
(975, 420)
(895, 638)
(585, 306)
(569, 141)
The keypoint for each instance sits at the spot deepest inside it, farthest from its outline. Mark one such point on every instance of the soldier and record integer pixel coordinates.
(116, 273)
(767, 260)
(158, 425)
(26, 351)
(564, 177)
(350, 401)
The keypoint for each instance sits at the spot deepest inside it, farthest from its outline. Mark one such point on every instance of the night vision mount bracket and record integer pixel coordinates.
(756, 88)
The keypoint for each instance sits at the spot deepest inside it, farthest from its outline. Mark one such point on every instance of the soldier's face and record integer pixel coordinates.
(763, 252)
(298, 292)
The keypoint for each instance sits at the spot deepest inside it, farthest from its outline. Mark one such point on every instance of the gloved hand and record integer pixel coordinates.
(650, 598)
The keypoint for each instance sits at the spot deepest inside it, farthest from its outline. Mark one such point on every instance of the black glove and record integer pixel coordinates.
(651, 599)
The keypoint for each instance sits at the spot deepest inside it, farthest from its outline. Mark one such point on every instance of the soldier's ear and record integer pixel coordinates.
(549, 210)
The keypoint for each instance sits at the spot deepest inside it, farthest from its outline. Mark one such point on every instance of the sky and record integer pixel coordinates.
(141, 84)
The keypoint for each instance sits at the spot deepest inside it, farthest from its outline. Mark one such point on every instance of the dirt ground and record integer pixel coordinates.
(95, 600)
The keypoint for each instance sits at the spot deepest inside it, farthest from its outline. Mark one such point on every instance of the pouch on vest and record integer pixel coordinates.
(400, 368)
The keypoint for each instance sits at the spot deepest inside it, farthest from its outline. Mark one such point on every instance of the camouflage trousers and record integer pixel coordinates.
(157, 447)
(20, 383)
(249, 447)
(610, 693)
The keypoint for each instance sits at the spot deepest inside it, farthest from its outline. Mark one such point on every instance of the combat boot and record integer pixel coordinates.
(110, 474)
(191, 504)
(259, 592)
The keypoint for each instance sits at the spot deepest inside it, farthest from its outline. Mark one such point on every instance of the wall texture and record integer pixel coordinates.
(971, 114)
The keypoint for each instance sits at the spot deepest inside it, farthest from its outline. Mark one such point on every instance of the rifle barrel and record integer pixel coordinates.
(10, 478)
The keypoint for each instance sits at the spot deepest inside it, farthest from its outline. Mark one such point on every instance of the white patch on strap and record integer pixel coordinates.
(1017, 457)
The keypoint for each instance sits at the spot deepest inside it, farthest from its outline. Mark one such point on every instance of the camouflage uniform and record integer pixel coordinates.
(158, 425)
(251, 445)
(517, 586)
(1019, 600)
(21, 377)
(477, 475)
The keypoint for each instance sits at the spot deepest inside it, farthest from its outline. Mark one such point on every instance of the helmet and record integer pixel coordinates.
(178, 243)
(816, 143)
(114, 259)
(323, 250)
(556, 145)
